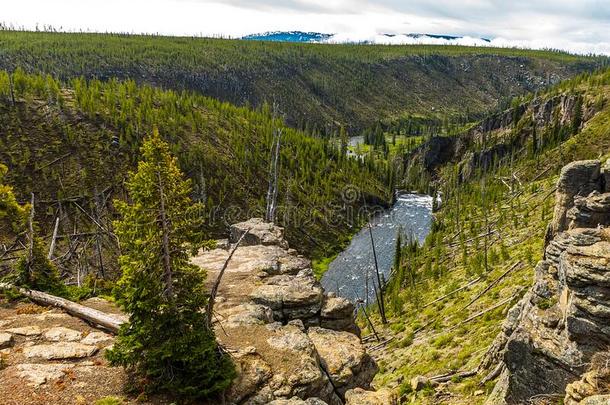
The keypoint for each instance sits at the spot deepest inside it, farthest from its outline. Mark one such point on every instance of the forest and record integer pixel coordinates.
(83, 139)
(318, 87)
(123, 158)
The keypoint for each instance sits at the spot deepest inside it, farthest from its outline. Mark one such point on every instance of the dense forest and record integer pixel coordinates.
(73, 147)
(317, 87)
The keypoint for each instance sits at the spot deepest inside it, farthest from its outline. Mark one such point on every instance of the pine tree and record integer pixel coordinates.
(166, 341)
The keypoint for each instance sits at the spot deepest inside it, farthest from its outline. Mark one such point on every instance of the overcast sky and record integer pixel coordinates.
(576, 25)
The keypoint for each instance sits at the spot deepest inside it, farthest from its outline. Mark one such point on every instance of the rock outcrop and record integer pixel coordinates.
(494, 132)
(292, 343)
(551, 335)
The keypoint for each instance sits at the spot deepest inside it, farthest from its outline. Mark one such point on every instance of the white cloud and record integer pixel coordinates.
(575, 47)
(578, 26)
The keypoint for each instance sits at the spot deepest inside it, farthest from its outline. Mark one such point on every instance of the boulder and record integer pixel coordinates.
(259, 232)
(338, 314)
(590, 211)
(576, 179)
(38, 374)
(290, 297)
(95, 338)
(420, 382)
(596, 400)
(60, 351)
(298, 401)
(25, 331)
(248, 314)
(304, 377)
(6, 340)
(343, 358)
(579, 390)
(252, 373)
(59, 333)
(358, 396)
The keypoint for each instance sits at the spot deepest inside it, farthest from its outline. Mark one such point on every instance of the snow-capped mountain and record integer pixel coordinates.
(289, 36)
(317, 37)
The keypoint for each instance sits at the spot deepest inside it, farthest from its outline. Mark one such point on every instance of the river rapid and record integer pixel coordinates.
(347, 274)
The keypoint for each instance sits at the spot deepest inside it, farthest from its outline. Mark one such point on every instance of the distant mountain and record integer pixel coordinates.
(316, 37)
(289, 36)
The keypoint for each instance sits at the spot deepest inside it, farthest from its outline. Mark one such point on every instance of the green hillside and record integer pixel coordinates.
(74, 146)
(448, 299)
(315, 85)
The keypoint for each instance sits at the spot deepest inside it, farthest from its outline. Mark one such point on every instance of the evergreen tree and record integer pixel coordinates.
(166, 341)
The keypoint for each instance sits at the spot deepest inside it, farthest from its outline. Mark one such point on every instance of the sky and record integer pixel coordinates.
(581, 26)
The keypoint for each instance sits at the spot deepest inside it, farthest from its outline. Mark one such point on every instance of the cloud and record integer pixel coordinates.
(579, 26)
(575, 47)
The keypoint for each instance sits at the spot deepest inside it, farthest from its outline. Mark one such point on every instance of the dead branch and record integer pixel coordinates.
(53, 239)
(492, 284)
(214, 291)
(452, 292)
(478, 314)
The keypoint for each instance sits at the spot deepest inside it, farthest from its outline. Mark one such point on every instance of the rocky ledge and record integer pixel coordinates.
(292, 342)
(551, 337)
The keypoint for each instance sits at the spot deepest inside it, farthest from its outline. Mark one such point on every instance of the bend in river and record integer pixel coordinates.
(346, 275)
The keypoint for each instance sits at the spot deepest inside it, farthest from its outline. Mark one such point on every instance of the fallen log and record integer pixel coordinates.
(492, 284)
(452, 292)
(449, 376)
(503, 302)
(493, 374)
(111, 322)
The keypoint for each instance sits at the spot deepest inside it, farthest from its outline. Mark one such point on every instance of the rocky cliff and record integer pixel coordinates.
(500, 134)
(551, 337)
(292, 343)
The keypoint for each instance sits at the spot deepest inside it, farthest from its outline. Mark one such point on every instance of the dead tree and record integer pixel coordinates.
(98, 239)
(216, 286)
(30, 240)
(380, 300)
(53, 239)
(272, 191)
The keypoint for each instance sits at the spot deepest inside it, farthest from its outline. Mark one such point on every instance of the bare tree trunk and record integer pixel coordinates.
(111, 322)
(381, 303)
(98, 239)
(486, 214)
(53, 239)
(169, 290)
(366, 315)
(214, 291)
(30, 240)
(272, 192)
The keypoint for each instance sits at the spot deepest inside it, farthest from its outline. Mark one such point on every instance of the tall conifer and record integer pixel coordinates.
(166, 341)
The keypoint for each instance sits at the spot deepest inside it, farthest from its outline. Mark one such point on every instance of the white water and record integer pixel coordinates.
(346, 274)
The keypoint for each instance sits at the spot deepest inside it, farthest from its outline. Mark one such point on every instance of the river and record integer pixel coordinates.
(346, 274)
